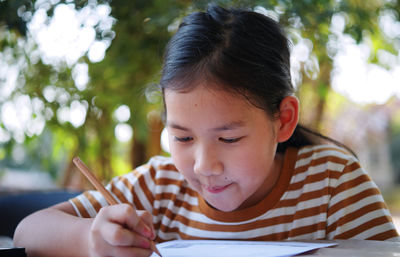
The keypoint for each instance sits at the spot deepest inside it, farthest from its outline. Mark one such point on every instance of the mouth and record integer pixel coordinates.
(215, 189)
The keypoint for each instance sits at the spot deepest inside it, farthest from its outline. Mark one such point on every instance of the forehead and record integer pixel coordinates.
(209, 109)
(202, 97)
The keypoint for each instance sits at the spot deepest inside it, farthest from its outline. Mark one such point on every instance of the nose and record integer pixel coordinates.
(207, 162)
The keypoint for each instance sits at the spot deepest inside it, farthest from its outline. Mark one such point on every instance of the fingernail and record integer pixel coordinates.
(148, 233)
(145, 244)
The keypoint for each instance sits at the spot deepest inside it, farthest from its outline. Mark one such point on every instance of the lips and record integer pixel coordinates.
(216, 189)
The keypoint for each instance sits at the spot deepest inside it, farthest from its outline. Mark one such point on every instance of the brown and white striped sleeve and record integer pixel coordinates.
(356, 209)
(134, 188)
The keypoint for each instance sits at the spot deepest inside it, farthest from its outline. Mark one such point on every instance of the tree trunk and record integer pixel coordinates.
(138, 152)
(323, 88)
(155, 128)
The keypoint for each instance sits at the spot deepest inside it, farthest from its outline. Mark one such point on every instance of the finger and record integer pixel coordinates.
(135, 222)
(102, 248)
(116, 235)
(125, 214)
(147, 218)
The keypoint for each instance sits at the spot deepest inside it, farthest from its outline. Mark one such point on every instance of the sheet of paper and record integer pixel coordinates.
(222, 248)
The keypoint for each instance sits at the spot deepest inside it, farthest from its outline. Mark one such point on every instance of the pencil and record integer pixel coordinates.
(99, 187)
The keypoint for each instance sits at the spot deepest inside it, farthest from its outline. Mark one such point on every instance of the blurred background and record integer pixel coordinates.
(79, 78)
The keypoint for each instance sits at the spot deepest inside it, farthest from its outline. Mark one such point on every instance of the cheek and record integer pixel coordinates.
(253, 153)
(180, 158)
(174, 148)
(253, 160)
(171, 143)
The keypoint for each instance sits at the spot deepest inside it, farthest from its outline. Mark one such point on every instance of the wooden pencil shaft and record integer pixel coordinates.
(95, 182)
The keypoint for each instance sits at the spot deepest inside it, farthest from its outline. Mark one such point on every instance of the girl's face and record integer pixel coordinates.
(224, 146)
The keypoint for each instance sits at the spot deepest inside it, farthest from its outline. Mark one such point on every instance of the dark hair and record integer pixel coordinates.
(241, 51)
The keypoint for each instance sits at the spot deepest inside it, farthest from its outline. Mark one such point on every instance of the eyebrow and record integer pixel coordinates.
(229, 126)
(176, 126)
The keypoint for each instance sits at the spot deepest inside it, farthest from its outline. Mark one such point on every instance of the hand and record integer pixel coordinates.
(120, 230)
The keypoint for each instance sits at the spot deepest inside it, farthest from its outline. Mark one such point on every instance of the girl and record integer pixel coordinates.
(241, 166)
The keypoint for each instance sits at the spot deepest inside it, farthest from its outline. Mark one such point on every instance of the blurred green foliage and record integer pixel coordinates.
(132, 64)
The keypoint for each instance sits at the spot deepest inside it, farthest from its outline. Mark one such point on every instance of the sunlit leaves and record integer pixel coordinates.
(117, 52)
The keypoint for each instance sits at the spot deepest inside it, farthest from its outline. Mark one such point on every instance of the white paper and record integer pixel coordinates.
(222, 248)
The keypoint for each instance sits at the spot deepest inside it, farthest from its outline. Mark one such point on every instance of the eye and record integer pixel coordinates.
(183, 139)
(229, 140)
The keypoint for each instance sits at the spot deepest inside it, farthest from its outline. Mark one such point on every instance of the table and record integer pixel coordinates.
(345, 248)
(357, 248)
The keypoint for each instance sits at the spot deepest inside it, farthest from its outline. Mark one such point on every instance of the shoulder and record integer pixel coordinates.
(148, 174)
(326, 161)
(324, 154)
(158, 167)
(162, 165)
(325, 150)
(336, 168)
(159, 162)
(155, 164)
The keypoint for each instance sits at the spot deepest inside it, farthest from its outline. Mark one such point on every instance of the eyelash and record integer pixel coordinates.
(229, 140)
(224, 140)
(183, 139)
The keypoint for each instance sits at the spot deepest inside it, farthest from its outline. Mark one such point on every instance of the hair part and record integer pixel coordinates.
(242, 51)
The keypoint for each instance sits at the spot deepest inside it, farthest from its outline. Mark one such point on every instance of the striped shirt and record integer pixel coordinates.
(322, 193)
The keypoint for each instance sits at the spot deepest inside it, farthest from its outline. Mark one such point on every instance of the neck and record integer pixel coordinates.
(268, 184)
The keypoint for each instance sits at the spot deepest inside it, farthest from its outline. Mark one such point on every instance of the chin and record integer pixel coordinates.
(228, 209)
(224, 207)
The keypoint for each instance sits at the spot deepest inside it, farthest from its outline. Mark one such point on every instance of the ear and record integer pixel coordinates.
(288, 118)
